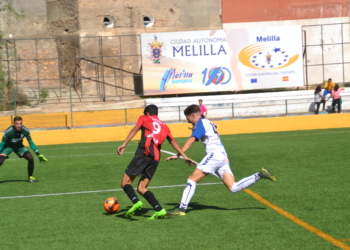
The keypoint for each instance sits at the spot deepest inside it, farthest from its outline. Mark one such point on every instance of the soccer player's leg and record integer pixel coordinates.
(135, 168)
(247, 181)
(228, 179)
(241, 184)
(145, 179)
(3, 157)
(148, 195)
(24, 153)
(4, 154)
(189, 191)
(130, 192)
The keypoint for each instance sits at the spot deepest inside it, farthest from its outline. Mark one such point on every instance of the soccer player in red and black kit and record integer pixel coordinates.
(146, 159)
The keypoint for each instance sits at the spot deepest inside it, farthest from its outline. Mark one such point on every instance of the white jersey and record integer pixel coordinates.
(206, 131)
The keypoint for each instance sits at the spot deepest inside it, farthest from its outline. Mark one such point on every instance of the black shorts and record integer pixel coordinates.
(142, 165)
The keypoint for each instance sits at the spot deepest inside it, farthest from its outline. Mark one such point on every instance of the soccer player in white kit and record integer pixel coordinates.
(215, 162)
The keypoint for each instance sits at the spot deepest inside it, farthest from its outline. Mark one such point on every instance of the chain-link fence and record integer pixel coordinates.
(326, 53)
(42, 70)
(65, 75)
(273, 107)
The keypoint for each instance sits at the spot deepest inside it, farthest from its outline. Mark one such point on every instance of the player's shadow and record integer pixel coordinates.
(14, 181)
(197, 206)
(137, 214)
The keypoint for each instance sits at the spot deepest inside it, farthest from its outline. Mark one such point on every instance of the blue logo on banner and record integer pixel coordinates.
(253, 80)
(175, 78)
(216, 76)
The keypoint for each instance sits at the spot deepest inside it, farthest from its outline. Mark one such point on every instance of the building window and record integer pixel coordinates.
(108, 22)
(148, 21)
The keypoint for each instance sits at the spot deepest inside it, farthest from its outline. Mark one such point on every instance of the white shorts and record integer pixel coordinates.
(215, 163)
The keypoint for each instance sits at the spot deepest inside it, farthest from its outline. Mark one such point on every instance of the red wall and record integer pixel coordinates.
(236, 11)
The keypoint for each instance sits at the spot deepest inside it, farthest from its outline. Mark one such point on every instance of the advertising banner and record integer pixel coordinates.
(221, 60)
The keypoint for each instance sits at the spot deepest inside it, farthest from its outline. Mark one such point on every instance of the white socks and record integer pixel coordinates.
(244, 183)
(236, 187)
(188, 193)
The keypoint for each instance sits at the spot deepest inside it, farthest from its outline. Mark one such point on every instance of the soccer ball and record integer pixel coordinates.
(111, 205)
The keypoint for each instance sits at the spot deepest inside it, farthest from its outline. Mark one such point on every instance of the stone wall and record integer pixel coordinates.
(82, 51)
(168, 15)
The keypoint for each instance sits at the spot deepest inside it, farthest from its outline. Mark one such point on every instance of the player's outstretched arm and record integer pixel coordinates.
(41, 157)
(188, 143)
(180, 151)
(131, 135)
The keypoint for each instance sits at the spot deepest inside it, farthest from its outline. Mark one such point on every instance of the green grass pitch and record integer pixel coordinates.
(312, 170)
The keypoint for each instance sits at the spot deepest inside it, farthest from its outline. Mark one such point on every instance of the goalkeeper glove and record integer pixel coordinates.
(42, 159)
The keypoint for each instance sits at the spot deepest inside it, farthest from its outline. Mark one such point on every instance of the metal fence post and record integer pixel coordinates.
(126, 116)
(37, 69)
(71, 106)
(233, 112)
(15, 100)
(179, 113)
(286, 101)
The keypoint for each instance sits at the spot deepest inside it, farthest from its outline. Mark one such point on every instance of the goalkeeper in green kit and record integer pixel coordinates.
(12, 141)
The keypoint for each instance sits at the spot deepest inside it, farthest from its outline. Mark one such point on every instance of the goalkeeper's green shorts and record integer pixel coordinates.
(18, 150)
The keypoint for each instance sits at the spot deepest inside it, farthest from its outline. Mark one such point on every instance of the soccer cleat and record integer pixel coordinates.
(158, 215)
(137, 206)
(266, 174)
(32, 179)
(178, 211)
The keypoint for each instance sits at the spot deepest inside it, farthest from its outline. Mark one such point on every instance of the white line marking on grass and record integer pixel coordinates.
(228, 139)
(64, 156)
(278, 136)
(98, 191)
(170, 153)
(108, 190)
(111, 146)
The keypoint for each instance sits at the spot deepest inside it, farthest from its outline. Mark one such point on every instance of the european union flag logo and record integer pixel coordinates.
(253, 80)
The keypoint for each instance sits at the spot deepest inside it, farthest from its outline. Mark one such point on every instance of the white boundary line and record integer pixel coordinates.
(102, 191)
(64, 156)
(98, 191)
(168, 152)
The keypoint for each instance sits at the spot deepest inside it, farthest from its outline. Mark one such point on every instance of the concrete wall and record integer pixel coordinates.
(32, 23)
(235, 11)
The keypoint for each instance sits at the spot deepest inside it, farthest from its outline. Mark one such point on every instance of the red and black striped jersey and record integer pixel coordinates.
(154, 132)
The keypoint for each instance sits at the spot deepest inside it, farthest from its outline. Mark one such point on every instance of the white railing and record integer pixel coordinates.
(247, 105)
